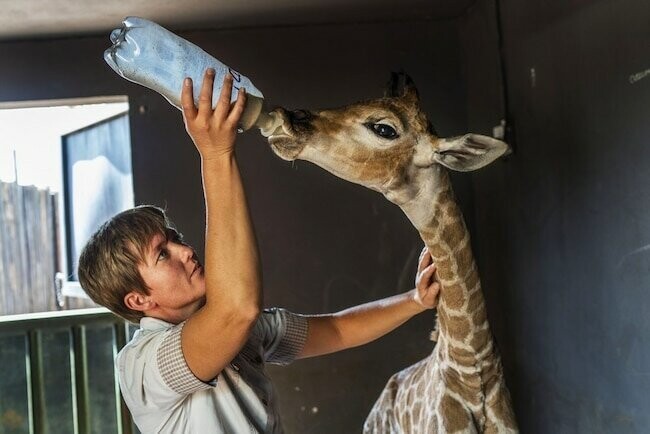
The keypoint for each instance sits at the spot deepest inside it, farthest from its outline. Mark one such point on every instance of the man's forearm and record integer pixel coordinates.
(231, 255)
(358, 325)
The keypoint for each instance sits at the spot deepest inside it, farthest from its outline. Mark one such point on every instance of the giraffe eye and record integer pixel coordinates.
(384, 131)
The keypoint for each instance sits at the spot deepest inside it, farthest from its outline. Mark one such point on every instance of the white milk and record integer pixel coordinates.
(145, 53)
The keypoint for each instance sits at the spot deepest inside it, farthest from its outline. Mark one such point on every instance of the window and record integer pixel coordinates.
(97, 179)
(65, 167)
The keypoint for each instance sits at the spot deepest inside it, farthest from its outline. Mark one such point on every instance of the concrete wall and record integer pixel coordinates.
(326, 244)
(562, 227)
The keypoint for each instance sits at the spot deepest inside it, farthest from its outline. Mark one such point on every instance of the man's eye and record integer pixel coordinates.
(384, 131)
(163, 254)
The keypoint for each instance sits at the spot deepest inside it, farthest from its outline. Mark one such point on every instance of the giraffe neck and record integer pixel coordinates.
(463, 326)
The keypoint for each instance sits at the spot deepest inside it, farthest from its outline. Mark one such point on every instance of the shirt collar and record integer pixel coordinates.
(150, 323)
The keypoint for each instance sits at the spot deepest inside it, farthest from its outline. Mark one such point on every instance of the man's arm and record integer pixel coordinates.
(367, 322)
(213, 335)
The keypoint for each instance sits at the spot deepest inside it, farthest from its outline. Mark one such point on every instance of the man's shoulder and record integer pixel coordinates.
(145, 340)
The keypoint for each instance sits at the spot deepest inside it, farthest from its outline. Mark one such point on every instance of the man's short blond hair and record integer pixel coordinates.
(108, 264)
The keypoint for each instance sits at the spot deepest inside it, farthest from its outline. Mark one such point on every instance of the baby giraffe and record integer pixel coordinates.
(388, 145)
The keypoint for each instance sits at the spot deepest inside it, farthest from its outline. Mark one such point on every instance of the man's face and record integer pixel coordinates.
(175, 278)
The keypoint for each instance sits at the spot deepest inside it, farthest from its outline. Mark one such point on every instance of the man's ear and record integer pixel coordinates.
(137, 301)
(468, 152)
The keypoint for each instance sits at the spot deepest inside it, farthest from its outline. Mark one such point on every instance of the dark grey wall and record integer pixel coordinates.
(563, 228)
(326, 244)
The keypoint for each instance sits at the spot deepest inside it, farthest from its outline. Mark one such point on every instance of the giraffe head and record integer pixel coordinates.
(386, 144)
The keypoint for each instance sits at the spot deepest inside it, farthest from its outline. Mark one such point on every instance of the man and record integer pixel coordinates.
(197, 363)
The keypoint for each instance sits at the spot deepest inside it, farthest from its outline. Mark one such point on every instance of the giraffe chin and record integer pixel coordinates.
(285, 147)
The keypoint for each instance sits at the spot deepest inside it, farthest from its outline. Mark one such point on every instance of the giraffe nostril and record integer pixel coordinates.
(300, 115)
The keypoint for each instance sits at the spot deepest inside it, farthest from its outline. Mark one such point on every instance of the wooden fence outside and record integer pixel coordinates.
(29, 249)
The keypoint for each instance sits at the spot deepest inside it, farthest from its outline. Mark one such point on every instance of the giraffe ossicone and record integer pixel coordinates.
(388, 145)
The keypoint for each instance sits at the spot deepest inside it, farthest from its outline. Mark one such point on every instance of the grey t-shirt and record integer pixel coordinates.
(165, 397)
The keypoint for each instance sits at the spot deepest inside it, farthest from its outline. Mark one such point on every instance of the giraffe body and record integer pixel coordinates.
(388, 145)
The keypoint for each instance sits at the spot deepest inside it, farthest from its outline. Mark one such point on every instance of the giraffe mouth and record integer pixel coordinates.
(285, 146)
(283, 127)
(283, 140)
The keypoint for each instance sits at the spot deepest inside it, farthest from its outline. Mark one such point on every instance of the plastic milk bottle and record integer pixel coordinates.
(145, 53)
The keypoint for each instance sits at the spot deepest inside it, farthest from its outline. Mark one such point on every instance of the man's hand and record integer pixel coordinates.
(213, 131)
(427, 287)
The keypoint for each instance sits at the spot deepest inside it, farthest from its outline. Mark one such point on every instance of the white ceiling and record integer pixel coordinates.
(29, 19)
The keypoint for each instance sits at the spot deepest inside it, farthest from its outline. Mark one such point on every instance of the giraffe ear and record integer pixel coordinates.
(401, 85)
(468, 152)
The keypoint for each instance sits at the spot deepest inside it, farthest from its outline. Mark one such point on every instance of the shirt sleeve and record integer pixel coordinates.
(173, 367)
(283, 335)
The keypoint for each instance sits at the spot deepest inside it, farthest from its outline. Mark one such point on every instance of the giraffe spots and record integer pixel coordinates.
(457, 327)
(453, 233)
(437, 251)
(446, 199)
(380, 418)
(431, 229)
(465, 259)
(481, 338)
(453, 296)
(391, 162)
(462, 356)
(406, 421)
(386, 422)
(476, 301)
(454, 416)
(466, 387)
(391, 388)
(417, 408)
(472, 281)
(445, 271)
(438, 211)
(479, 317)
(499, 402)
(471, 390)
(435, 220)
(420, 389)
(501, 407)
(493, 374)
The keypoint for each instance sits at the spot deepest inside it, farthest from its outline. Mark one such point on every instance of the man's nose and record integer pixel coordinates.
(186, 253)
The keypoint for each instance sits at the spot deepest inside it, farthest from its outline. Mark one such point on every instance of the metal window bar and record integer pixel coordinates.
(75, 321)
